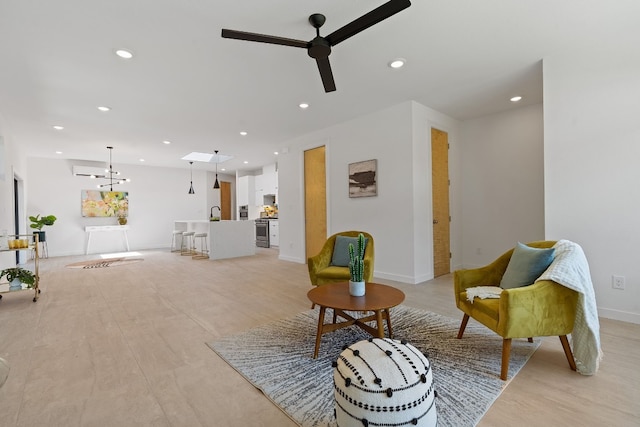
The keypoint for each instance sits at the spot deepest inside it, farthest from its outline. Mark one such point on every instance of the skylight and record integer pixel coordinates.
(206, 157)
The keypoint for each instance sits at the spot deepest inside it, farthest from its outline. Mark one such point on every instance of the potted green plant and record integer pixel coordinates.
(356, 268)
(37, 222)
(17, 276)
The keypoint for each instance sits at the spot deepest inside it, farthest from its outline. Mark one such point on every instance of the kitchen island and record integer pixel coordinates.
(227, 239)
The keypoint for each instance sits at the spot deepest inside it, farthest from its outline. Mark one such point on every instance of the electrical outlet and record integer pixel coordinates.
(618, 282)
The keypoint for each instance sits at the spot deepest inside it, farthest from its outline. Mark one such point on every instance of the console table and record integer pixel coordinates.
(91, 228)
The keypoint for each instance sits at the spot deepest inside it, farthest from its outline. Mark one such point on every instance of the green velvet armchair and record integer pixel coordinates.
(322, 272)
(544, 308)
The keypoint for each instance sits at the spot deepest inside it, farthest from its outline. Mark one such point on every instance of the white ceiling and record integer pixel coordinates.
(186, 84)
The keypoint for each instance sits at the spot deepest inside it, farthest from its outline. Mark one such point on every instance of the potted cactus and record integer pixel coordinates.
(356, 268)
(17, 276)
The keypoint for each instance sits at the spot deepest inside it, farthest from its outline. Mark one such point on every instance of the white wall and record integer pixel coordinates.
(157, 197)
(503, 176)
(399, 217)
(592, 167)
(12, 164)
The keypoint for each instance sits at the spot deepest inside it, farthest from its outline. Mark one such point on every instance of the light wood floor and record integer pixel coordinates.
(125, 346)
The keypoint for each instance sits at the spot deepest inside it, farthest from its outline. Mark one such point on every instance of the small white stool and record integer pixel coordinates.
(174, 240)
(187, 248)
(204, 248)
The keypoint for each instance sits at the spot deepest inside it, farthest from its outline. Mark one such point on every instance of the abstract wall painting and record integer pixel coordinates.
(97, 203)
(363, 179)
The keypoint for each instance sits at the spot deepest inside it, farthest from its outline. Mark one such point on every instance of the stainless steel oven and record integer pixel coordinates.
(244, 212)
(262, 233)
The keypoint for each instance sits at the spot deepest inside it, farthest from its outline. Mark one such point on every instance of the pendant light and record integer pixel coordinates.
(109, 173)
(216, 185)
(191, 188)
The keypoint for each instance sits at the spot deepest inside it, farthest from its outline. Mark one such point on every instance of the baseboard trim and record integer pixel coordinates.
(623, 316)
(401, 278)
(291, 259)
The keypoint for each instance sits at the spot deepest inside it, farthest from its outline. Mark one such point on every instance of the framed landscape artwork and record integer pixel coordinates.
(363, 179)
(105, 203)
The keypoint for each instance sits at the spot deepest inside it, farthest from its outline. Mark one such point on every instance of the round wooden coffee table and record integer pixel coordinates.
(377, 298)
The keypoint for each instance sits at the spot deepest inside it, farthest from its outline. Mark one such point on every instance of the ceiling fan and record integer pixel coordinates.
(320, 47)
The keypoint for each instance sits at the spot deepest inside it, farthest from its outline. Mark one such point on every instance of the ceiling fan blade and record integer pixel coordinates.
(326, 74)
(262, 38)
(367, 20)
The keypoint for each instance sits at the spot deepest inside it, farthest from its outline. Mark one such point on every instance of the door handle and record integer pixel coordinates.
(435, 221)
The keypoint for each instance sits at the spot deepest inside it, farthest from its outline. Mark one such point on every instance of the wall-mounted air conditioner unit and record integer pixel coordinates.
(88, 171)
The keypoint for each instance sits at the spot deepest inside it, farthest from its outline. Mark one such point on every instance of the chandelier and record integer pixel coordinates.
(109, 173)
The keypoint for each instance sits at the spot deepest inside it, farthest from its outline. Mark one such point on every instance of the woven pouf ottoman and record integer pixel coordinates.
(383, 382)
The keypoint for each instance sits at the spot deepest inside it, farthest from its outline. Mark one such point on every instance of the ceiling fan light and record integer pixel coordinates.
(516, 98)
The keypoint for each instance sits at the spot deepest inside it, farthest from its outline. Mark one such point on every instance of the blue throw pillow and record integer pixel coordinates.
(525, 266)
(340, 256)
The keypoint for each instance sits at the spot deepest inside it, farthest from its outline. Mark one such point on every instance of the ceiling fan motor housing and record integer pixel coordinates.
(319, 47)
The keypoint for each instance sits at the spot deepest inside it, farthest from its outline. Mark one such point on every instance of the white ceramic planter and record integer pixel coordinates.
(16, 285)
(356, 289)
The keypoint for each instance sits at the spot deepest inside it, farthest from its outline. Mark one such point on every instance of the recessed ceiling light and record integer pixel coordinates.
(123, 53)
(58, 152)
(58, 127)
(223, 169)
(243, 133)
(275, 152)
(166, 142)
(142, 160)
(104, 109)
(245, 162)
(397, 63)
(304, 105)
(516, 99)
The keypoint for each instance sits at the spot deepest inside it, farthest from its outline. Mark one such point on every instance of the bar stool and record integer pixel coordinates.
(204, 248)
(174, 240)
(187, 248)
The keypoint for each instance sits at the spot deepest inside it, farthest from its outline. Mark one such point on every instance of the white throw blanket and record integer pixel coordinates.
(483, 292)
(570, 269)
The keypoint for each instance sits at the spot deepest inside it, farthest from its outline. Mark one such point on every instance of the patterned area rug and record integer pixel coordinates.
(277, 359)
(107, 262)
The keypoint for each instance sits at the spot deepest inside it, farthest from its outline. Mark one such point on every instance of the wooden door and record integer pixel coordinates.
(315, 200)
(225, 200)
(440, 195)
